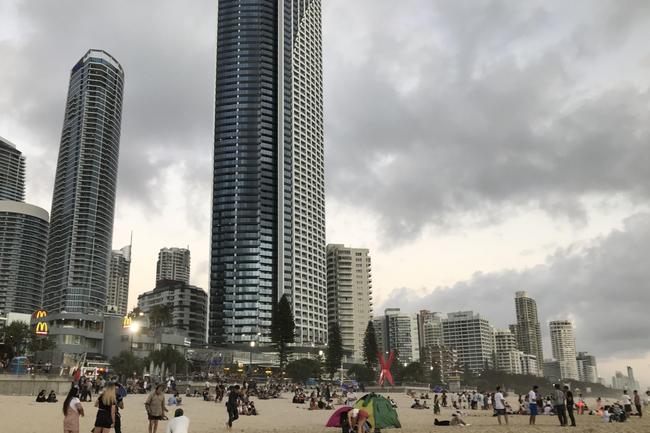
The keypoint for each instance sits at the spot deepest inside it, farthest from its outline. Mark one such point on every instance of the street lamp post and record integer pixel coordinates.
(250, 360)
(133, 328)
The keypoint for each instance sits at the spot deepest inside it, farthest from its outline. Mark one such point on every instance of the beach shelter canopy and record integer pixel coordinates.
(335, 419)
(381, 412)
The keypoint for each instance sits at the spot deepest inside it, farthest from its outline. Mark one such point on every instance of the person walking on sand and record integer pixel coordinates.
(72, 410)
(155, 405)
(570, 405)
(627, 403)
(637, 403)
(558, 404)
(106, 408)
(532, 404)
(500, 405)
(231, 405)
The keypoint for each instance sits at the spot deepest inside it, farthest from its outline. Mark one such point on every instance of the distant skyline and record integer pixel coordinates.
(475, 148)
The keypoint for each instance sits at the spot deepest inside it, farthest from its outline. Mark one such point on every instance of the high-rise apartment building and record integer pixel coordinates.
(188, 306)
(429, 328)
(23, 241)
(507, 355)
(23, 238)
(587, 369)
(117, 298)
(268, 202)
(349, 295)
(472, 337)
(12, 172)
(398, 332)
(173, 264)
(564, 348)
(528, 330)
(81, 224)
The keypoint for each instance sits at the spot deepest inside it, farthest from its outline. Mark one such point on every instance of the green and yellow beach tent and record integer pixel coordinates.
(381, 413)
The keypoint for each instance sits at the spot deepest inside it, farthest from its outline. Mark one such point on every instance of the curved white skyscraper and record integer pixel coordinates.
(268, 211)
(81, 222)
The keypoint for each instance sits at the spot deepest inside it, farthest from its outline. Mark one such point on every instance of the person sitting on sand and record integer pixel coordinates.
(392, 402)
(321, 403)
(41, 398)
(52, 397)
(437, 422)
(252, 410)
(456, 419)
(179, 424)
(312, 404)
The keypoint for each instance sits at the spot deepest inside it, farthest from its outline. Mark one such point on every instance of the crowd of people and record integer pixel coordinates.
(561, 403)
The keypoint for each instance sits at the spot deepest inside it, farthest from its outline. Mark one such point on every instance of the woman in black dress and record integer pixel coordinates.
(106, 408)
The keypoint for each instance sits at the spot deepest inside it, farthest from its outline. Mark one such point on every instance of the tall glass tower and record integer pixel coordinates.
(268, 210)
(81, 223)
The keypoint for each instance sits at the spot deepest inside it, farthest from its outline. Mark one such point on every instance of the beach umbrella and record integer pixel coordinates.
(381, 414)
(335, 419)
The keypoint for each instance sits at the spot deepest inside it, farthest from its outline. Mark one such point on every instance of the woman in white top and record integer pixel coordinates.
(72, 410)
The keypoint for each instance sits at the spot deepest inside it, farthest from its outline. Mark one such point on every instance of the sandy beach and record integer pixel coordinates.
(23, 415)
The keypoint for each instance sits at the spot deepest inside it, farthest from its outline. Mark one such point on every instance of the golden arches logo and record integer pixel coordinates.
(127, 322)
(41, 328)
(40, 314)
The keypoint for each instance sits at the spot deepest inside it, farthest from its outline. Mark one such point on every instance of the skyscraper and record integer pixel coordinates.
(429, 328)
(349, 295)
(268, 203)
(398, 331)
(528, 330)
(564, 348)
(472, 337)
(12, 172)
(117, 298)
(173, 264)
(23, 241)
(23, 238)
(83, 202)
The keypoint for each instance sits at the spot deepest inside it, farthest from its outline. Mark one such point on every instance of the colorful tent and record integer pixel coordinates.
(381, 413)
(335, 419)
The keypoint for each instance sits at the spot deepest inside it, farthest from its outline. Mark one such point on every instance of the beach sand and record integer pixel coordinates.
(23, 415)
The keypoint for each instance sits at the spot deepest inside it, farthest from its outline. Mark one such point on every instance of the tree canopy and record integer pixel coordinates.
(126, 363)
(302, 369)
(334, 353)
(361, 373)
(159, 316)
(370, 347)
(19, 339)
(173, 359)
(282, 330)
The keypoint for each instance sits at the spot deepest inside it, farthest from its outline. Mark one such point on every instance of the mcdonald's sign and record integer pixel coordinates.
(126, 323)
(41, 328)
(40, 314)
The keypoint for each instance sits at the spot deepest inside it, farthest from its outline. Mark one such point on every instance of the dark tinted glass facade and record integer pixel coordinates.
(83, 202)
(264, 66)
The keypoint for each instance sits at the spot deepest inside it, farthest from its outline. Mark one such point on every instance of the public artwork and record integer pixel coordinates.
(384, 366)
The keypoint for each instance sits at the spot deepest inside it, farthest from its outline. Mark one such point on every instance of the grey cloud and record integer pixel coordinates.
(478, 129)
(167, 51)
(602, 284)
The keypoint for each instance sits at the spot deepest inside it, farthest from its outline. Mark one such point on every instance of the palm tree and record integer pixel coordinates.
(160, 315)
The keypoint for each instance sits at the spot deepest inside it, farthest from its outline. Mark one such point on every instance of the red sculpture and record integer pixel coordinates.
(385, 374)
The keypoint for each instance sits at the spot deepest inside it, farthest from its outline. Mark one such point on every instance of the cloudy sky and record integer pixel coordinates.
(476, 147)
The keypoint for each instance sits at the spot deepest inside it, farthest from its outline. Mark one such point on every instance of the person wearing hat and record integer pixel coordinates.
(180, 423)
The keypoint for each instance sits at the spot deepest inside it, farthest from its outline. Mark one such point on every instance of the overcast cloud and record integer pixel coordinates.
(441, 117)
